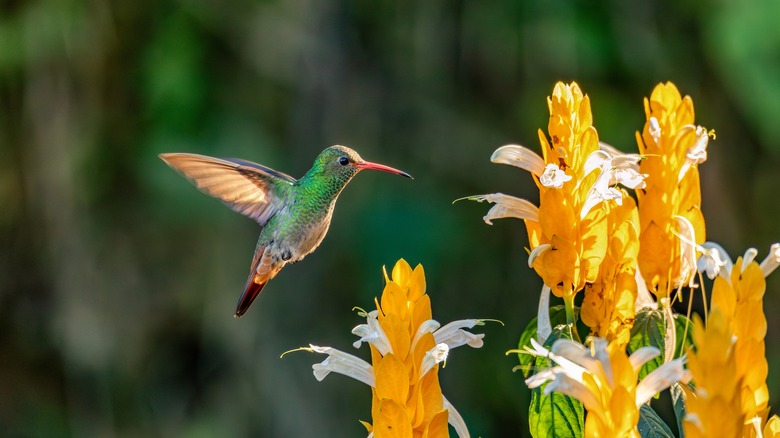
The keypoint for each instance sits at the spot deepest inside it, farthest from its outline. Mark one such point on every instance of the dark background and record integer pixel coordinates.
(118, 279)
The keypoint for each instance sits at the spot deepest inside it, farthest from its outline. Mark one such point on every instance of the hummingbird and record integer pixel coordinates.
(294, 214)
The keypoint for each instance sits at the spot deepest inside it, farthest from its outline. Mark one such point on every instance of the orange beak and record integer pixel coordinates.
(382, 167)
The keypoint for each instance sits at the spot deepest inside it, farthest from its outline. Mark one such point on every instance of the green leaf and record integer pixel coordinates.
(678, 401)
(648, 330)
(650, 424)
(526, 360)
(682, 335)
(554, 415)
(557, 317)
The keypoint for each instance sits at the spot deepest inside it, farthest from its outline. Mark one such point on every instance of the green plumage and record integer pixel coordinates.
(294, 214)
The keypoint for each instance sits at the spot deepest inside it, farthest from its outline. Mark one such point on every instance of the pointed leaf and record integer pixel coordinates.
(650, 424)
(648, 330)
(679, 403)
(684, 337)
(557, 317)
(554, 415)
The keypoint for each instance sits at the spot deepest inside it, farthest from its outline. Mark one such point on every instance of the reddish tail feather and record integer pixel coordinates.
(251, 291)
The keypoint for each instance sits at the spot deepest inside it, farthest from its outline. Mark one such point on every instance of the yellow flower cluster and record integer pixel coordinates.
(407, 346)
(605, 380)
(741, 300)
(574, 232)
(609, 304)
(729, 366)
(670, 215)
(715, 410)
(407, 397)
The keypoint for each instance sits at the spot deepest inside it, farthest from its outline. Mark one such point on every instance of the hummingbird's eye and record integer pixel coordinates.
(343, 161)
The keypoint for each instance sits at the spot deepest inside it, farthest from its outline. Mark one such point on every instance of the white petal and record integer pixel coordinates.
(454, 418)
(642, 356)
(553, 176)
(620, 169)
(542, 376)
(568, 367)
(643, 297)
(543, 324)
(714, 261)
(342, 363)
(593, 359)
(507, 206)
(670, 335)
(573, 388)
(600, 192)
(628, 177)
(537, 349)
(687, 252)
(750, 255)
(536, 252)
(697, 153)
(519, 156)
(772, 260)
(373, 333)
(433, 356)
(429, 326)
(597, 160)
(660, 379)
(598, 349)
(454, 336)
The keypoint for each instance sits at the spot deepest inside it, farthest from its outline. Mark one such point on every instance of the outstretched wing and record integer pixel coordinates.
(245, 187)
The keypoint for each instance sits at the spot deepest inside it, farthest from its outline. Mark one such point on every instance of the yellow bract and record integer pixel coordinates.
(672, 189)
(577, 244)
(714, 409)
(741, 302)
(608, 307)
(615, 414)
(404, 404)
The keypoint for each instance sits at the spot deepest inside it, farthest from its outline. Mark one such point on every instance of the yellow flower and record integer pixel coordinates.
(772, 428)
(714, 407)
(608, 307)
(406, 347)
(738, 295)
(670, 215)
(567, 233)
(604, 379)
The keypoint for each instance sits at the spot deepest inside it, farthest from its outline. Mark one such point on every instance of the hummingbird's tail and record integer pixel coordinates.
(251, 291)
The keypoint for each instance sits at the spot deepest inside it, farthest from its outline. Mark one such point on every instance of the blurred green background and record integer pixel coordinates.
(118, 279)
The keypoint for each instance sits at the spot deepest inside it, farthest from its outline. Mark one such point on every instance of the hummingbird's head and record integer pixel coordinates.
(344, 163)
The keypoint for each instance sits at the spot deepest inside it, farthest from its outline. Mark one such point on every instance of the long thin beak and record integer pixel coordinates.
(382, 167)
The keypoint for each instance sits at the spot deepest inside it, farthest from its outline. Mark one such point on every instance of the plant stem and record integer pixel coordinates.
(568, 304)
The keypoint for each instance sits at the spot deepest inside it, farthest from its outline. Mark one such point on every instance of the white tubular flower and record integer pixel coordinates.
(553, 176)
(661, 378)
(456, 420)
(507, 206)
(519, 156)
(643, 297)
(434, 356)
(342, 363)
(687, 252)
(536, 252)
(428, 326)
(601, 362)
(772, 260)
(454, 336)
(697, 153)
(543, 323)
(714, 261)
(372, 333)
